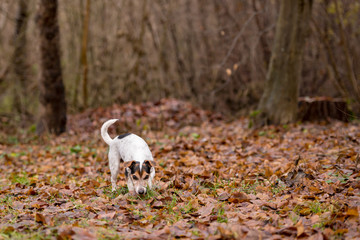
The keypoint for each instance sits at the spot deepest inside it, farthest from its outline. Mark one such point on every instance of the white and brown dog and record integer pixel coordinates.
(139, 164)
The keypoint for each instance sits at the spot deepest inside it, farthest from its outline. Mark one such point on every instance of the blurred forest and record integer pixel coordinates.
(212, 53)
(221, 90)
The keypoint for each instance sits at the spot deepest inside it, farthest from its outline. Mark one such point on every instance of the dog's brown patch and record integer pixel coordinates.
(135, 172)
(129, 164)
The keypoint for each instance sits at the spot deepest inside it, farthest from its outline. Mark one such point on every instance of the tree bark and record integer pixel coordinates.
(19, 64)
(278, 104)
(52, 91)
(84, 63)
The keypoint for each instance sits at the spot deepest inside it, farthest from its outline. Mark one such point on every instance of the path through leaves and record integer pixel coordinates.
(215, 180)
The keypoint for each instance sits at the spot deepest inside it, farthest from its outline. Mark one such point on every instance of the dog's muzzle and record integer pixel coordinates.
(141, 191)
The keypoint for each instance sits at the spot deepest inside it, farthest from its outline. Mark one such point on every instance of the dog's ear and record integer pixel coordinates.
(127, 173)
(150, 163)
(128, 164)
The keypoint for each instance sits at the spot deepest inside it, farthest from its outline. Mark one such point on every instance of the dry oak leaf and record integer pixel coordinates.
(76, 233)
(206, 210)
(24, 224)
(95, 222)
(40, 218)
(18, 205)
(223, 196)
(288, 231)
(157, 205)
(299, 228)
(205, 199)
(352, 212)
(198, 170)
(239, 197)
(108, 216)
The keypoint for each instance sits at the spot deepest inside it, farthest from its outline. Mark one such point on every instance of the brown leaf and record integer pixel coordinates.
(97, 222)
(24, 224)
(18, 205)
(76, 233)
(352, 212)
(198, 170)
(40, 218)
(329, 189)
(206, 210)
(38, 204)
(109, 215)
(223, 196)
(288, 231)
(7, 230)
(305, 211)
(158, 204)
(341, 231)
(31, 191)
(300, 228)
(238, 197)
(91, 184)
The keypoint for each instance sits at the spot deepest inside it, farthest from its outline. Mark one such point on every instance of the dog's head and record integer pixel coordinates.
(139, 177)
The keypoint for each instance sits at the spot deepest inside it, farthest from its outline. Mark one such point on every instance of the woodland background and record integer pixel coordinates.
(175, 72)
(212, 53)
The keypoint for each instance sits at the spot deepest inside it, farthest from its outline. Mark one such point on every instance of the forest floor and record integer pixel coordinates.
(215, 179)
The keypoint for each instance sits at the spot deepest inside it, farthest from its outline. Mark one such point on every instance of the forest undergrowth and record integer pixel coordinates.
(215, 179)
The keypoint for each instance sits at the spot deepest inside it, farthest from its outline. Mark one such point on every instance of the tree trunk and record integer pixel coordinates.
(19, 59)
(278, 104)
(84, 63)
(52, 91)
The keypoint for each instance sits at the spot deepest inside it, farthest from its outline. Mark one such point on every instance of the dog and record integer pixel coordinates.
(138, 161)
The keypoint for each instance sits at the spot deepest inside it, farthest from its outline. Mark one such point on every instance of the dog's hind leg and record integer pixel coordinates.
(114, 163)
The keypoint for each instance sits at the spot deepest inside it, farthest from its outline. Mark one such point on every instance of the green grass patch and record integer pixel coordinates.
(76, 149)
(150, 193)
(277, 188)
(248, 187)
(21, 178)
(294, 217)
(170, 206)
(176, 214)
(6, 205)
(7, 234)
(195, 136)
(188, 208)
(316, 207)
(108, 234)
(221, 218)
(113, 194)
(343, 178)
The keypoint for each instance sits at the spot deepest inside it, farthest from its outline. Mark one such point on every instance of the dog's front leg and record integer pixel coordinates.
(151, 178)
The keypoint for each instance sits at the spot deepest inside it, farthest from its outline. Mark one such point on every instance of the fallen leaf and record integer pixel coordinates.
(157, 205)
(206, 210)
(299, 228)
(353, 212)
(109, 215)
(223, 196)
(238, 197)
(40, 218)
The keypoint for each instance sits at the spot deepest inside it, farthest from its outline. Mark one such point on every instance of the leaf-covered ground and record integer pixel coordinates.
(215, 180)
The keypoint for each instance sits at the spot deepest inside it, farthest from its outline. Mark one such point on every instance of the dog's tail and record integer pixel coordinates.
(104, 130)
